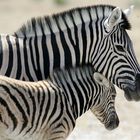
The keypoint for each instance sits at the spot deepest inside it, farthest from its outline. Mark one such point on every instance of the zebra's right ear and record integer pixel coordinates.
(100, 79)
(128, 11)
(113, 19)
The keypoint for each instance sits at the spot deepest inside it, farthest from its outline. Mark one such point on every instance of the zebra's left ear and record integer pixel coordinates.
(128, 11)
(100, 79)
(113, 19)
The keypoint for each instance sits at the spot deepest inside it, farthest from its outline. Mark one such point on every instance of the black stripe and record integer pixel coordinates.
(10, 114)
(61, 109)
(115, 73)
(39, 74)
(76, 46)
(67, 123)
(47, 107)
(17, 89)
(92, 87)
(74, 106)
(46, 61)
(40, 107)
(32, 55)
(68, 31)
(19, 64)
(56, 53)
(56, 63)
(54, 110)
(86, 90)
(10, 63)
(1, 51)
(84, 38)
(97, 33)
(31, 92)
(69, 114)
(80, 98)
(36, 47)
(25, 122)
(109, 64)
(67, 53)
(91, 34)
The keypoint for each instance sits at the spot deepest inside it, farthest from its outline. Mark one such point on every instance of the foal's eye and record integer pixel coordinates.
(120, 48)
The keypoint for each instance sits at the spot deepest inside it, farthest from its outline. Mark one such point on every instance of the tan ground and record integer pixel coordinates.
(13, 13)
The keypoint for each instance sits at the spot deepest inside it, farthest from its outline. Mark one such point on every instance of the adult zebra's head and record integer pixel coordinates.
(116, 58)
(104, 103)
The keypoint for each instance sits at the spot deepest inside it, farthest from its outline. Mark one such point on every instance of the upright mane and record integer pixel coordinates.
(68, 19)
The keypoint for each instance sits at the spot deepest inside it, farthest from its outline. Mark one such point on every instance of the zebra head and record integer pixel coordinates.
(116, 58)
(104, 107)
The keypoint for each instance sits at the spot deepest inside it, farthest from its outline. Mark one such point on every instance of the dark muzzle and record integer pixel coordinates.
(135, 93)
(112, 123)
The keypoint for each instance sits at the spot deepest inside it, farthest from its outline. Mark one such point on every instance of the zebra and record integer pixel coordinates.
(48, 109)
(87, 35)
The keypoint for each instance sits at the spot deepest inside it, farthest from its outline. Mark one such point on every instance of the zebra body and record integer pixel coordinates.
(90, 35)
(48, 110)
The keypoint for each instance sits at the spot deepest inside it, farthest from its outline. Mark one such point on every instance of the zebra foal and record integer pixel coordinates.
(47, 110)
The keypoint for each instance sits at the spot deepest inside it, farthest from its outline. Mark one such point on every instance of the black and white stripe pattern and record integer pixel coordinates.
(47, 110)
(90, 35)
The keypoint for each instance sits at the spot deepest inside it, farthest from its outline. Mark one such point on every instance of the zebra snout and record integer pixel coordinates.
(138, 85)
(132, 93)
(112, 123)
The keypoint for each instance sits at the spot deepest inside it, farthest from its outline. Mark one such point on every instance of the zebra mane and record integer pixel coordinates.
(68, 19)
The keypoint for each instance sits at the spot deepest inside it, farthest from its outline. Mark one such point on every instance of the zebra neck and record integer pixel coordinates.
(76, 84)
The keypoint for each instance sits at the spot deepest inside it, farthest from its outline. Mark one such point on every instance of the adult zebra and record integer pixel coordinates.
(47, 110)
(94, 34)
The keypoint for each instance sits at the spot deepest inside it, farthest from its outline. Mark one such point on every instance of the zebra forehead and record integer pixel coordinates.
(73, 17)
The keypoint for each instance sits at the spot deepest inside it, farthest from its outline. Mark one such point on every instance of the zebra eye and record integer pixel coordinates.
(120, 48)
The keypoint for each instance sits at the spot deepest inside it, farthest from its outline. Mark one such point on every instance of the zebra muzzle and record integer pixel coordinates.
(112, 123)
(133, 94)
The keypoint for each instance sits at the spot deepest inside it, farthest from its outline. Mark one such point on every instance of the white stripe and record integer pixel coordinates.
(50, 53)
(22, 58)
(71, 26)
(61, 51)
(30, 65)
(5, 50)
(45, 27)
(86, 18)
(15, 64)
(88, 42)
(41, 59)
(34, 53)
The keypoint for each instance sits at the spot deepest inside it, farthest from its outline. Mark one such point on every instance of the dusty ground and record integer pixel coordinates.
(13, 13)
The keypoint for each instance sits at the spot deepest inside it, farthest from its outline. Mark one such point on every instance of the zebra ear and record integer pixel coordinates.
(100, 79)
(113, 19)
(128, 11)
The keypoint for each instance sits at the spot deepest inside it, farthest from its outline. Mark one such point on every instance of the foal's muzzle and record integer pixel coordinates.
(112, 123)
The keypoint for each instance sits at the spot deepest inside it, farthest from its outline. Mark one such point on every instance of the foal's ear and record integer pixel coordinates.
(128, 11)
(113, 19)
(100, 79)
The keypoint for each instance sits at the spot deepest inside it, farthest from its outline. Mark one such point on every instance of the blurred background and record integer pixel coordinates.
(13, 13)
